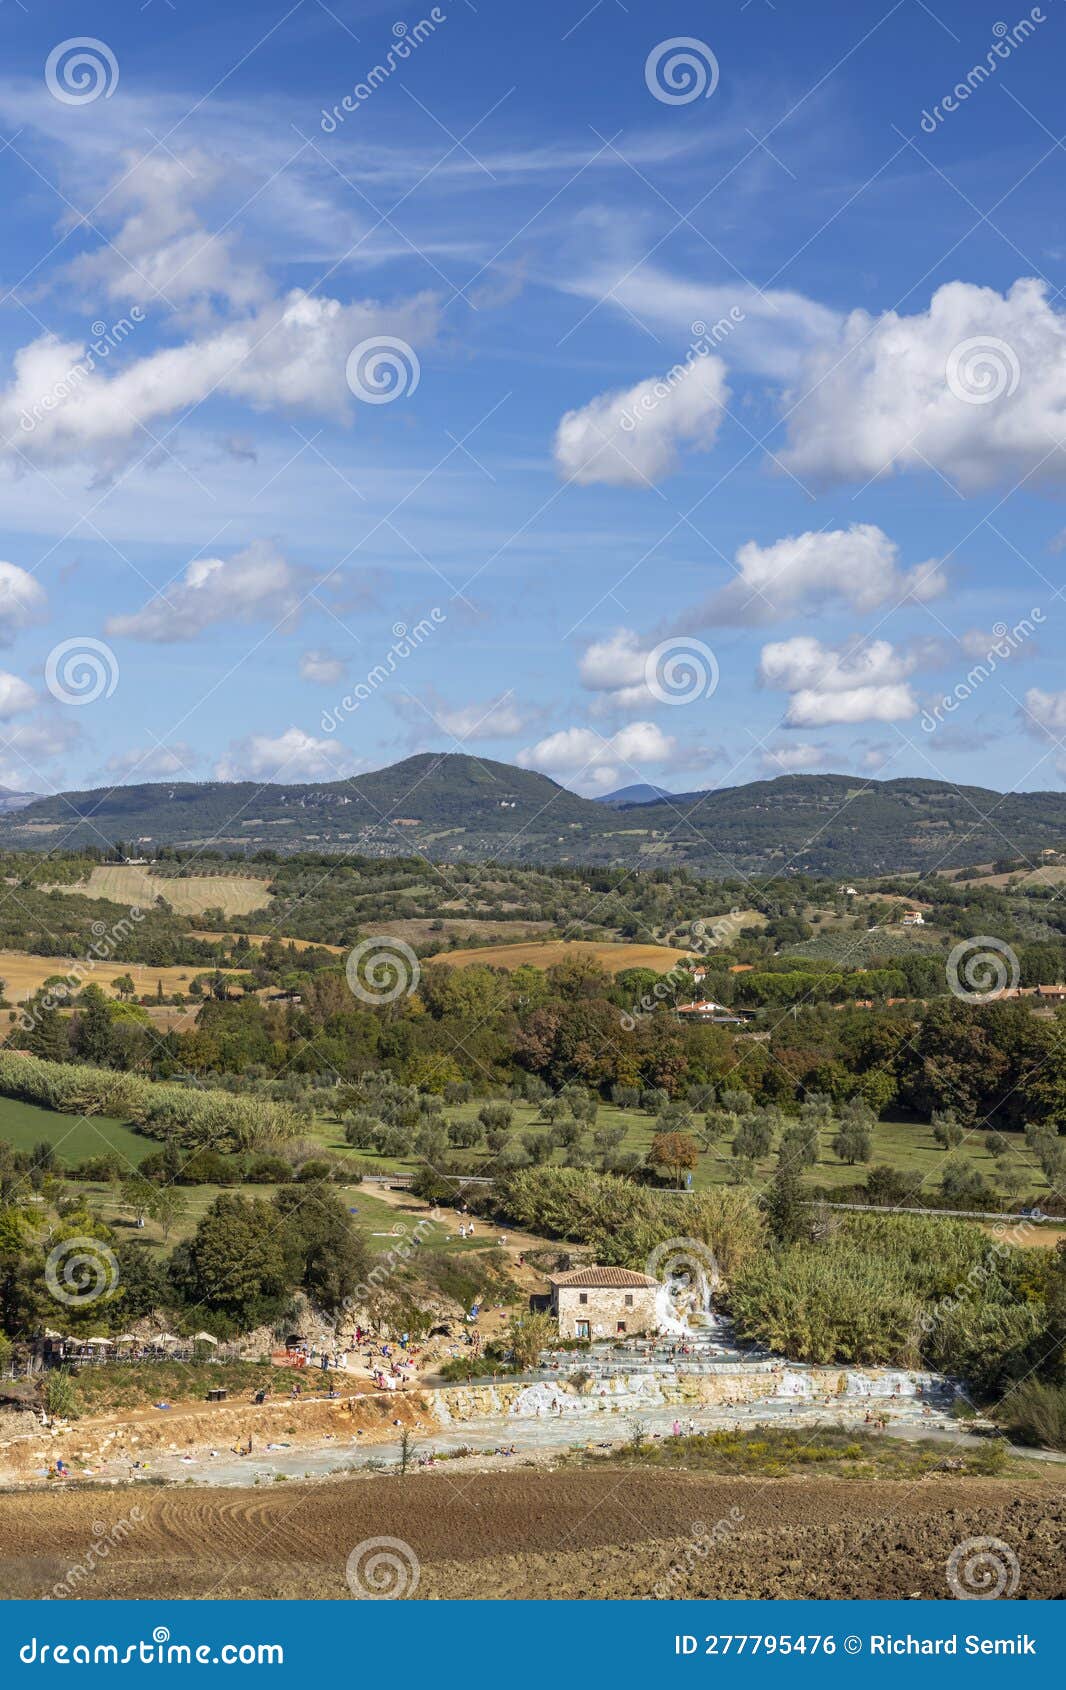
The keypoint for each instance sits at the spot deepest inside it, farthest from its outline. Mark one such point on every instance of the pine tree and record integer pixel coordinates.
(786, 1208)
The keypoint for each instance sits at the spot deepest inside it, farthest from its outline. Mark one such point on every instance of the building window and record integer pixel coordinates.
(621, 1326)
(629, 1302)
(583, 1297)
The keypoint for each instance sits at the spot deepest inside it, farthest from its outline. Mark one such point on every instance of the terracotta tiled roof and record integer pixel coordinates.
(597, 1278)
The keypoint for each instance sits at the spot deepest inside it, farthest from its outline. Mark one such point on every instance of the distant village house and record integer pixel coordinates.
(707, 1010)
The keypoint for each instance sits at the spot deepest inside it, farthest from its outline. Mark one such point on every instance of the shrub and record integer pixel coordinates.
(61, 1397)
(1035, 1413)
(621, 1222)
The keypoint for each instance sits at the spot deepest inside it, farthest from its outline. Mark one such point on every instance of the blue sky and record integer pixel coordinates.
(693, 438)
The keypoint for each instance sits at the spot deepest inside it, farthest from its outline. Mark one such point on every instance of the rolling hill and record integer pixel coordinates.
(642, 793)
(455, 808)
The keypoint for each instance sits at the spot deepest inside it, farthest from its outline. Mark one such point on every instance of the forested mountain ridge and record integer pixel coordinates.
(457, 808)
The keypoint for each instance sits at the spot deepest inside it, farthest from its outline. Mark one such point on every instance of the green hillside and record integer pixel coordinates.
(456, 808)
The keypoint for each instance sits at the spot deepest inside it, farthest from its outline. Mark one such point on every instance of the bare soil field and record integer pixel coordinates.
(546, 953)
(23, 974)
(125, 883)
(623, 1535)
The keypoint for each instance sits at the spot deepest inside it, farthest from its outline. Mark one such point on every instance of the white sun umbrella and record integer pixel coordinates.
(125, 1338)
(106, 1341)
(204, 1338)
(164, 1338)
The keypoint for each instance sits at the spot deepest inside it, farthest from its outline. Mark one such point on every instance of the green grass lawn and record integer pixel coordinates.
(74, 1138)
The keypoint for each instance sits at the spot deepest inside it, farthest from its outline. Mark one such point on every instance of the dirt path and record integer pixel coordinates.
(618, 1533)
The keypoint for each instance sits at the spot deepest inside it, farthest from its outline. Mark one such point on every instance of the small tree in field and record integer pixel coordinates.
(947, 1129)
(853, 1142)
(1009, 1179)
(677, 1152)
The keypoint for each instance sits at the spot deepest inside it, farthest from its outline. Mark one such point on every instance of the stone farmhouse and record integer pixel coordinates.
(603, 1302)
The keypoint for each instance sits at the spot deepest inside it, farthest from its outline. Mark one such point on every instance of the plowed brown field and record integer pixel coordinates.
(533, 1533)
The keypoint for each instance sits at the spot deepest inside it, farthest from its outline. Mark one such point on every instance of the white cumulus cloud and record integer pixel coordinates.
(789, 759)
(16, 697)
(194, 317)
(499, 718)
(293, 756)
(253, 584)
(631, 437)
(867, 684)
(1045, 712)
(153, 762)
(856, 566)
(22, 601)
(596, 758)
(322, 667)
(974, 387)
(615, 669)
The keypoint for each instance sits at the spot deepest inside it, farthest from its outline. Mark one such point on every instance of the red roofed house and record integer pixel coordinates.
(603, 1302)
(707, 1010)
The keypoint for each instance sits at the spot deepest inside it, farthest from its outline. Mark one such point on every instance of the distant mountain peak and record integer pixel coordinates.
(640, 793)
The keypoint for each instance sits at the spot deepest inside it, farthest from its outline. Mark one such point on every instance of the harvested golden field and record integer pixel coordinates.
(281, 938)
(23, 974)
(413, 930)
(545, 953)
(427, 930)
(1051, 875)
(126, 883)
